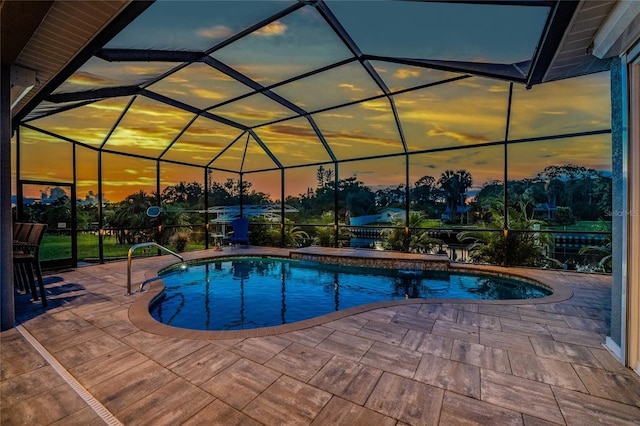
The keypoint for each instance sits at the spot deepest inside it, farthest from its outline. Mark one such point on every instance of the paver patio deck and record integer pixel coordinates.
(448, 363)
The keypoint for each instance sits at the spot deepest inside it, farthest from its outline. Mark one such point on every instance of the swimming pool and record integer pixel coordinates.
(254, 292)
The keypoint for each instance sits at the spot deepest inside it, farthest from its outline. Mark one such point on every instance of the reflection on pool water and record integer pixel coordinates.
(252, 292)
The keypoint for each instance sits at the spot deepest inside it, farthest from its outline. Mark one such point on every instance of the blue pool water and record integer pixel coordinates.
(252, 292)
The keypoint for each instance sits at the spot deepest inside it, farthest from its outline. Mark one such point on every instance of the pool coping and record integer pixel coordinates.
(140, 316)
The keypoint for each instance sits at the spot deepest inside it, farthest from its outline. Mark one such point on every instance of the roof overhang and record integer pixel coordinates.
(42, 50)
(619, 31)
(596, 32)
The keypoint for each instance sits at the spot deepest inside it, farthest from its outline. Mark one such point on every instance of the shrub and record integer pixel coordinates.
(602, 253)
(324, 236)
(180, 239)
(564, 216)
(516, 248)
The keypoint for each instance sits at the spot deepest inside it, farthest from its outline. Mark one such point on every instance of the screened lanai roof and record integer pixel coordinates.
(245, 86)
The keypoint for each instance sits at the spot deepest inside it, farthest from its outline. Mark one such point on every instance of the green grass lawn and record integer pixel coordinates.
(584, 225)
(59, 247)
(433, 223)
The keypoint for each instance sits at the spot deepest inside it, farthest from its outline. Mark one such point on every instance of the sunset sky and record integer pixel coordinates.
(465, 112)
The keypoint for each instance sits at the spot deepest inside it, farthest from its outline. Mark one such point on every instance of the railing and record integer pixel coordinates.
(132, 249)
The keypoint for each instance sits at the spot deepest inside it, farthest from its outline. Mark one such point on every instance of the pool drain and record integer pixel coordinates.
(100, 409)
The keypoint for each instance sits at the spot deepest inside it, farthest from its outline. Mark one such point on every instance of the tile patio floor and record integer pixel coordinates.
(420, 363)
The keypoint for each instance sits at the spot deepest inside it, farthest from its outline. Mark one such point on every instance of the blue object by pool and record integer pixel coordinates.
(243, 293)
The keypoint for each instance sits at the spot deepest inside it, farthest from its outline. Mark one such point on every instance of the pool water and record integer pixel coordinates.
(253, 292)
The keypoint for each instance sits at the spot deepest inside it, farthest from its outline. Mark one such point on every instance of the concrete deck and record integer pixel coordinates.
(441, 362)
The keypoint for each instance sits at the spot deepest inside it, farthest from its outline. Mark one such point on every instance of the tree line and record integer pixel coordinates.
(564, 193)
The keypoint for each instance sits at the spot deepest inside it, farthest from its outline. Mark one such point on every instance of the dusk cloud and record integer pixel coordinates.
(274, 28)
(404, 73)
(88, 79)
(465, 138)
(216, 32)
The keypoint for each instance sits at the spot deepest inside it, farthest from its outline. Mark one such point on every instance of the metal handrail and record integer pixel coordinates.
(132, 249)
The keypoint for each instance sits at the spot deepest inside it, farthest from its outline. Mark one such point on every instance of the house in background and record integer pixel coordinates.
(545, 211)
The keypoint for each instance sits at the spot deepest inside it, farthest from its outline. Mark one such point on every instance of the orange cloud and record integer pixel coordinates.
(344, 136)
(102, 107)
(247, 114)
(205, 148)
(377, 105)
(208, 94)
(498, 89)
(219, 31)
(473, 83)
(274, 28)
(403, 73)
(465, 138)
(349, 86)
(280, 138)
(175, 79)
(142, 70)
(337, 115)
(292, 130)
(571, 105)
(88, 79)
(208, 132)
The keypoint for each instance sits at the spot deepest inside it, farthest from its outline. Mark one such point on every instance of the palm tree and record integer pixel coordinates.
(603, 252)
(517, 248)
(130, 216)
(295, 236)
(455, 185)
(420, 241)
(464, 182)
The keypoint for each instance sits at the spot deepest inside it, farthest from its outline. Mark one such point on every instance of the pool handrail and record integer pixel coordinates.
(139, 245)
